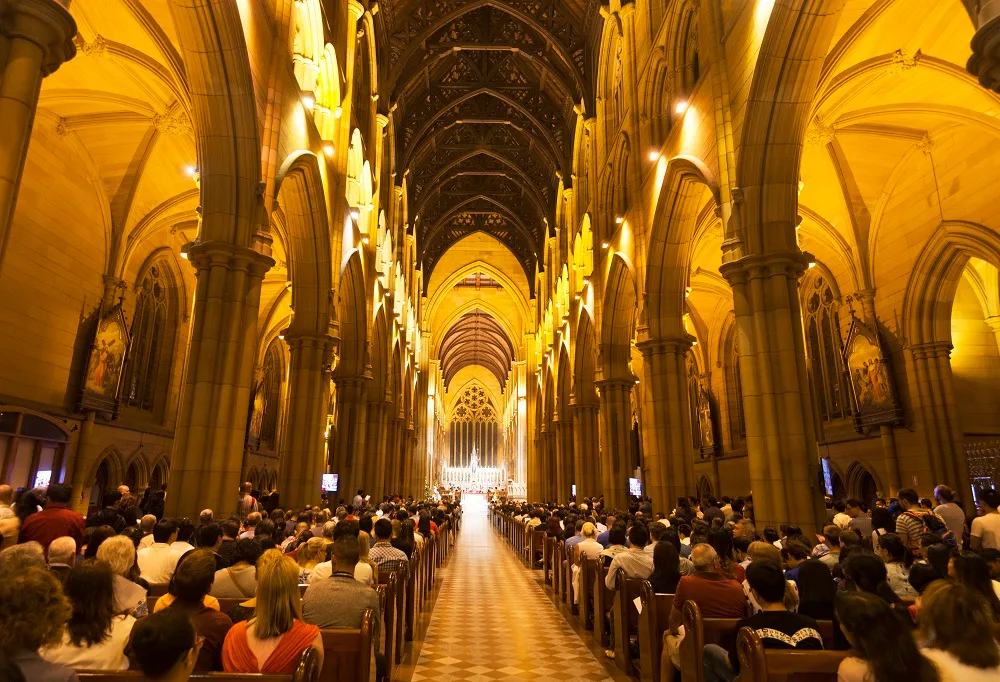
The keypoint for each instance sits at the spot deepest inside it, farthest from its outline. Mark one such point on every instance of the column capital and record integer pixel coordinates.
(618, 383)
(206, 255)
(789, 263)
(931, 349)
(356, 381)
(994, 322)
(678, 345)
(355, 9)
(46, 23)
(301, 339)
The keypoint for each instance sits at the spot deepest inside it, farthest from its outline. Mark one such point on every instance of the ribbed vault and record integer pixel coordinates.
(476, 338)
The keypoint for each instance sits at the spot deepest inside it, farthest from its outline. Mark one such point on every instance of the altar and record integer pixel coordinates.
(473, 478)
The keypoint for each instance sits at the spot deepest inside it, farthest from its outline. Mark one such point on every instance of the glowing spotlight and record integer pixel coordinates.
(586, 280)
(281, 336)
(337, 112)
(681, 106)
(619, 219)
(328, 149)
(605, 245)
(802, 186)
(687, 292)
(812, 264)
(191, 171)
(364, 240)
(654, 155)
(309, 101)
(355, 213)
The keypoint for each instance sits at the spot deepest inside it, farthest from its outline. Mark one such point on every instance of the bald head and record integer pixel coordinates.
(704, 558)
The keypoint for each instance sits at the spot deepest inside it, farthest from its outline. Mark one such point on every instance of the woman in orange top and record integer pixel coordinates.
(272, 640)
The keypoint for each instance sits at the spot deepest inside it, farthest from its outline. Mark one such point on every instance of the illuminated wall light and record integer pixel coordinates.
(190, 171)
(605, 245)
(619, 219)
(328, 149)
(281, 336)
(355, 212)
(586, 280)
(364, 240)
(308, 100)
(681, 106)
(694, 343)
(812, 264)
(338, 112)
(687, 292)
(654, 155)
(184, 251)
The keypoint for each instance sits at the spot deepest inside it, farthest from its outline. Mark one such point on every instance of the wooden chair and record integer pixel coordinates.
(588, 571)
(626, 620)
(603, 599)
(395, 611)
(535, 547)
(653, 622)
(347, 653)
(567, 577)
(307, 670)
(158, 589)
(758, 664)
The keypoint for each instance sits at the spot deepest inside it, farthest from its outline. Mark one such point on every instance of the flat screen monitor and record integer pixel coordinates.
(330, 483)
(43, 478)
(827, 478)
(635, 487)
(573, 493)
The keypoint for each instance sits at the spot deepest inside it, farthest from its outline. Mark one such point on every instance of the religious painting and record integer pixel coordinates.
(868, 370)
(105, 363)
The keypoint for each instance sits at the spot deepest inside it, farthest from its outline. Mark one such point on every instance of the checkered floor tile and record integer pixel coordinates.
(493, 622)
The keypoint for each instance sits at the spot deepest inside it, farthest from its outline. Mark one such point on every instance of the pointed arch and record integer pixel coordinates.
(353, 316)
(618, 319)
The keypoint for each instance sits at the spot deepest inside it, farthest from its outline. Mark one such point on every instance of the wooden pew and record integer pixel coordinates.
(307, 670)
(588, 572)
(557, 572)
(411, 594)
(758, 664)
(567, 575)
(626, 621)
(158, 589)
(653, 622)
(389, 581)
(395, 611)
(547, 561)
(603, 599)
(347, 653)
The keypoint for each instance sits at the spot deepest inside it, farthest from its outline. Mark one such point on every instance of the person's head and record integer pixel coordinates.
(63, 551)
(253, 518)
(989, 500)
(383, 530)
(666, 560)
(638, 536)
(111, 498)
(794, 553)
(767, 583)
(27, 505)
(346, 528)
(312, 552)
(278, 600)
(722, 542)
(705, 558)
(59, 493)
(992, 557)
(815, 582)
(246, 488)
(831, 534)
(920, 576)
(943, 494)
(246, 551)
(6, 494)
(744, 529)
(118, 552)
(209, 536)
(34, 611)
(230, 529)
(839, 506)
(955, 618)
(971, 570)
(616, 536)
(147, 523)
(90, 588)
(95, 538)
(938, 555)
(880, 638)
(865, 572)
(656, 531)
(265, 529)
(345, 553)
(908, 498)
(764, 552)
(21, 557)
(194, 576)
(165, 644)
(165, 531)
(205, 517)
(589, 531)
(185, 529)
(891, 548)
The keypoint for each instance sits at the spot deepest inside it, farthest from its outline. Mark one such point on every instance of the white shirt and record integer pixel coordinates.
(951, 669)
(363, 573)
(108, 655)
(181, 547)
(6, 512)
(147, 541)
(601, 527)
(157, 563)
(842, 520)
(987, 527)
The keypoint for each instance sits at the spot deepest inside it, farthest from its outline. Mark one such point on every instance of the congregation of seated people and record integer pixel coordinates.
(911, 585)
(127, 588)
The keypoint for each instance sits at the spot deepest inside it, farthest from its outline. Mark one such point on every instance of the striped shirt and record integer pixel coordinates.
(246, 505)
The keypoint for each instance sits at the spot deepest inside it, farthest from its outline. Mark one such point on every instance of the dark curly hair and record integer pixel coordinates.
(90, 588)
(34, 611)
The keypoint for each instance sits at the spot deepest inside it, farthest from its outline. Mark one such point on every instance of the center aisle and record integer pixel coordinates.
(492, 620)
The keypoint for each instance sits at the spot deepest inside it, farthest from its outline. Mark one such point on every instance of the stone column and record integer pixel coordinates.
(351, 416)
(302, 459)
(616, 446)
(984, 63)
(586, 450)
(561, 484)
(409, 451)
(374, 441)
(36, 37)
(215, 393)
(777, 400)
(666, 432)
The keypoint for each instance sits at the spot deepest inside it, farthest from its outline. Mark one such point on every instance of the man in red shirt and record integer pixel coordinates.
(716, 596)
(55, 521)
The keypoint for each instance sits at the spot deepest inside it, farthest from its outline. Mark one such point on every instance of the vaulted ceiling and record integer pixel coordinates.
(483, 92)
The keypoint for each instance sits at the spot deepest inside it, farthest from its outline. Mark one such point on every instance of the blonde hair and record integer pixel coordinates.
(309, 553)
(364, 544)
(589, 530)
(764, 552)
(119, 552)
(266, 559)
(278, 602)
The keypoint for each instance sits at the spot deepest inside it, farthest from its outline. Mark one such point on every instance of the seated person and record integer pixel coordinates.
(271, 641)
(957, 632)
(386, 557)
(635, 561)
(95, 635)
(882, 646)
(33, 616)
(237, 580)
(777, 627)
(165, 646)
(62, 556)
(190, 586)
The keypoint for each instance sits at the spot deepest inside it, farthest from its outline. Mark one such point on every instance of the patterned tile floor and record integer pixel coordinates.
(493, 621)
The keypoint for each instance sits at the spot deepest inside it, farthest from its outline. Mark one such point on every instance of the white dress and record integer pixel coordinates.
(108, 655)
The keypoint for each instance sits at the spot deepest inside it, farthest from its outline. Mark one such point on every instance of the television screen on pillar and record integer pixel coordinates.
(573, 491)
(635, 487)
(330, 483)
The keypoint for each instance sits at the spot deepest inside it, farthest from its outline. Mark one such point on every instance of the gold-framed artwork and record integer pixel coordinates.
(105, 364)
(869, 373)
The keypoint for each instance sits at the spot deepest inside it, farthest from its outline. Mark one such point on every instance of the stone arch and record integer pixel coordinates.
(584, 365)
(858, 480)
(299, 189)
(683, 49)
(618, 319)
(609, 69)
(352, 313)
(704, 487)
(160, 472)
(792, 53)
(114, 462)
(686, 186)
(140, 464)
(217, 65)
(379, 356)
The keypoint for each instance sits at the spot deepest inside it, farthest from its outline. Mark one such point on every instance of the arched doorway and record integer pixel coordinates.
(131, 478)
(99, 487)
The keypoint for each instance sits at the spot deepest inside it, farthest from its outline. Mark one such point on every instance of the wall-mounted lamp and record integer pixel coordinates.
(338, 112)
(619, 219)
(681, 106)
(185, 250)
(328, 149)
(309, 100)
(654, 155)
(812, 264)
(364, 240)
(355, 213)
(605, 245)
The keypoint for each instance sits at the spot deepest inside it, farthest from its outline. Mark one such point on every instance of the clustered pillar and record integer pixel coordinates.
(616, 447)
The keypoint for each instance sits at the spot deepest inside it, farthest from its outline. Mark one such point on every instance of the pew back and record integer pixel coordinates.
(653, 622)
(347, 654)
(306, 670)
(626, 620)
(758, 664)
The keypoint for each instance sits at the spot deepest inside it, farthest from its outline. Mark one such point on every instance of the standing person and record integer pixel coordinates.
(359, 500)
(55, 521)
(915, 521)
(247, 503)
(946, 508)
(985, 533)
(860, 522)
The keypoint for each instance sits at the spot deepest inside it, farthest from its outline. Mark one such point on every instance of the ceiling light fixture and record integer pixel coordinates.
(681, 106)
(364, 240)
(355, 213)
(812, 264)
